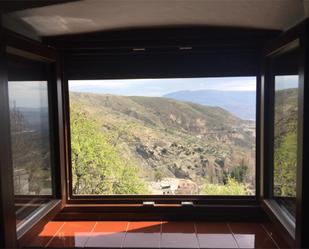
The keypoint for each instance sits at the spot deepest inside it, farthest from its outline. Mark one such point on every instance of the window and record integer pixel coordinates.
(30, 136)
(285, 148)
(188, 136)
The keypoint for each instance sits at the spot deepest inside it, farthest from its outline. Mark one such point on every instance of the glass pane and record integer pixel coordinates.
(30, 141)
(286, 80)
(285, 140)
(190, 136)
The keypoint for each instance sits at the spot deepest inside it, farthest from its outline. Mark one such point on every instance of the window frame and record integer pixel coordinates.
(160, 199)
(293, 233)
(17, 45)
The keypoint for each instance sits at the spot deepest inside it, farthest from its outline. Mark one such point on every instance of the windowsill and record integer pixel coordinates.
(36, 217)
(283, 218)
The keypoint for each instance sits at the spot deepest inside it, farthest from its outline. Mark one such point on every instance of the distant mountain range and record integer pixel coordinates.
(240, 103)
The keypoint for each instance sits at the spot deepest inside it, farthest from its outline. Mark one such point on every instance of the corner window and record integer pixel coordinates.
(182, 136)
(285, 77)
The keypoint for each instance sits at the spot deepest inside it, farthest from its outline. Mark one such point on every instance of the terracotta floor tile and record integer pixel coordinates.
(111, 226)
(251, 235)
(106, 234)
(178, 235)
(142, 240)
(73, 234)
(106, 240)
(143, 234)
(216, 241)
(144, 227)
(178, 227)
(273, 232)
(215, 235)
(212, 227)
(46, 234)
(179, 240)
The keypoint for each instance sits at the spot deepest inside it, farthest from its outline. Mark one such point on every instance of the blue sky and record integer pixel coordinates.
(159, 87)
(34, 93)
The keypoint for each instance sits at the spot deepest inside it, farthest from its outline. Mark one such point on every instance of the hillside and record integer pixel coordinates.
(285, 144)
(239, 103)
(173, 144)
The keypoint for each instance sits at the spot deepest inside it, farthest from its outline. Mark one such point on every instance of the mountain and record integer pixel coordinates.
(240, 103)
(170, 140)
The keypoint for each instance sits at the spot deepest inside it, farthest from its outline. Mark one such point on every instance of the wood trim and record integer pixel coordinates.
(59, 101)
(203, 37)
(302, 209)
(162, 200)
(37, 227)
(301, 33)
(23, 46)
(7, 213)
(279, 226)
(18, 45)
(162, 212)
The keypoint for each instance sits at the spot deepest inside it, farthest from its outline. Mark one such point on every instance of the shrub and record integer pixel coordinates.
(232, 187)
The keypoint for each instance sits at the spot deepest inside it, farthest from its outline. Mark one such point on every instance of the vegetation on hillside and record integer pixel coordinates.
(30, 156)
(174, 146)
(285, 147)
(96, 165)
(232, 187)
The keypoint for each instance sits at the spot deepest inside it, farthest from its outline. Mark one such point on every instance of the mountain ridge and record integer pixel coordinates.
(240, 103)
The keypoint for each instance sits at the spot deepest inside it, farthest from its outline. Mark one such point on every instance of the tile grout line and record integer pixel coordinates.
(195, 231)
(90, 234)
(55, 234)
(125, 235)
(268, 233)
(229, 227)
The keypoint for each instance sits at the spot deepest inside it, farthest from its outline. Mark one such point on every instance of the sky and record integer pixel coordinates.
(286, 81)
(28, 94)
(33, 94)
(160, 87)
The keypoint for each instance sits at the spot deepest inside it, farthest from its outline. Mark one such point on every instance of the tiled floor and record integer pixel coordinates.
(162, 234)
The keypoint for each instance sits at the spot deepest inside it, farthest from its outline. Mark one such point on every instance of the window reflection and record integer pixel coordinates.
(285, 140)
(30, 136)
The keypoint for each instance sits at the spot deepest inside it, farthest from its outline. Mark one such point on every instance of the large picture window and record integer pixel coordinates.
(188, 136)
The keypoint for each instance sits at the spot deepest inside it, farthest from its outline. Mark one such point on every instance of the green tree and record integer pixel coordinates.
(232, 187)
(239, 173)
(96, 165)
(285, 161)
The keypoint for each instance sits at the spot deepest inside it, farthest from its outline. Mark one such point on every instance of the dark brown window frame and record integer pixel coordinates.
(294, 234)
(14, 44)
(97, 56)
(159, 199)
